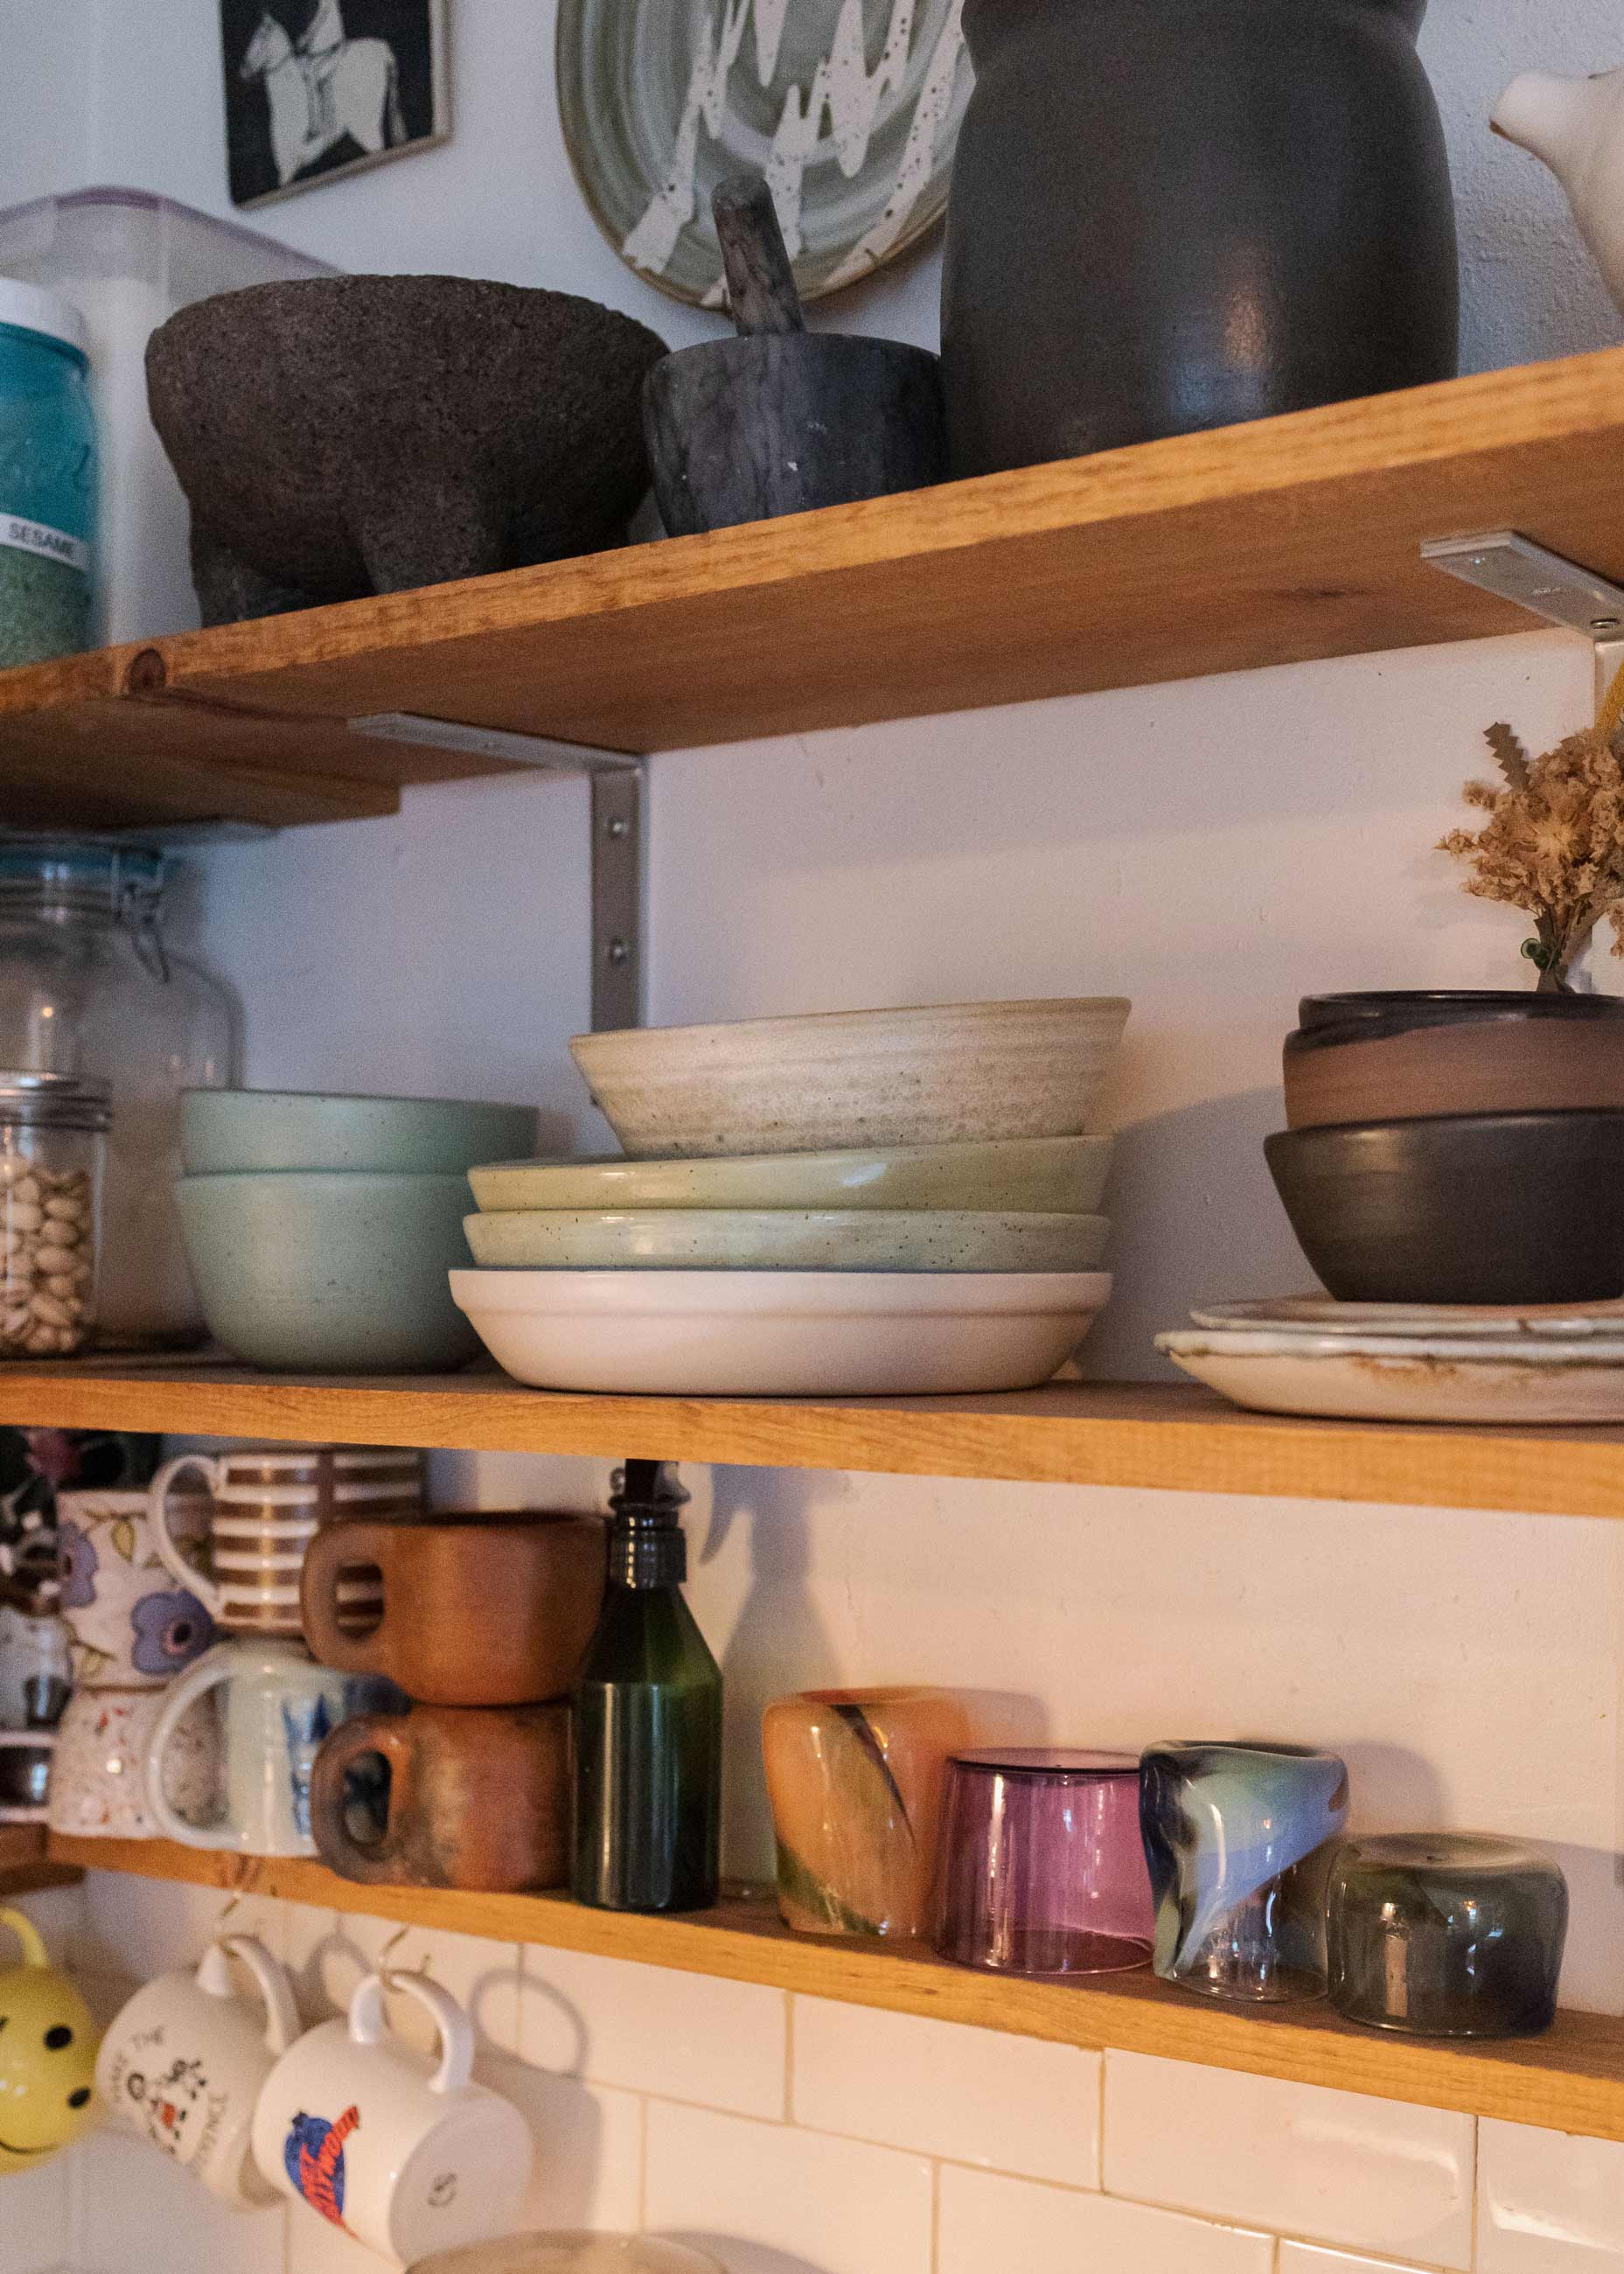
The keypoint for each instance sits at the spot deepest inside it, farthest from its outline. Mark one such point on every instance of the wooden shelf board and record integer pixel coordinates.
(26, 1867)
(1169, 1437)
(1277, 542)
(1571, 2081)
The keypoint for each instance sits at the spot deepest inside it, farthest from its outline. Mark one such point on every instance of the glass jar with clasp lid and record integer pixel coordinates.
(89, 989)
(53, 1133)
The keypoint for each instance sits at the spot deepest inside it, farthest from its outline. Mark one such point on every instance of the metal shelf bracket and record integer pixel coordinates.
(617, 783)
(1516, 568)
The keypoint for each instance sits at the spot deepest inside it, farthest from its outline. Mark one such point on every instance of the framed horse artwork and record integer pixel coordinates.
(317, 88)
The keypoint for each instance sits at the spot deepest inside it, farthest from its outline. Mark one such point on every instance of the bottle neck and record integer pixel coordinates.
(646, 1550)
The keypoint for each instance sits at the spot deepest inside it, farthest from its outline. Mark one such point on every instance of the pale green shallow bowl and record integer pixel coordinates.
(785, 1239)
(252, 1130)
(339, 1272)
(1060, 1176)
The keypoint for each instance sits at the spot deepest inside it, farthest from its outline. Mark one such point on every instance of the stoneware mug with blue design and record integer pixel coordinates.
(134, 1625)
(276, 1708)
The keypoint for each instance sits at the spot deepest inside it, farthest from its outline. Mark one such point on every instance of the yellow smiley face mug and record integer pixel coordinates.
(48, 2055)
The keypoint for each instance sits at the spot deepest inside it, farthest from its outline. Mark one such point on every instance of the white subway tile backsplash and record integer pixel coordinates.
(144, 1927)
(991, 2224)
(650, 2029)
(588, 2146)
(137, 2211)
(768, 2199)
(1547, 2202)
(34, 2217)
(483, 1977)
(939, 2089)
(1299, 2159)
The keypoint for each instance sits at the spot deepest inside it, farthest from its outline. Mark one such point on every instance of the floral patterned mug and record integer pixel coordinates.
(132, 1627)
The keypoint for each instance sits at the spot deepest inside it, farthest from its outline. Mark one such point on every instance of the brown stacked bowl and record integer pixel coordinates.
(1457, 1147)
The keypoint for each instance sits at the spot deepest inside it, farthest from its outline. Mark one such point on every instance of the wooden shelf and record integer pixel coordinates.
(24, 1866)
(1570, 2081)
(1272, 543)
(1171, 1437)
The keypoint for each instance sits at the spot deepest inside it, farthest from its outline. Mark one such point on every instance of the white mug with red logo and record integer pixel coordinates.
(402, 2150)
(184, 2063)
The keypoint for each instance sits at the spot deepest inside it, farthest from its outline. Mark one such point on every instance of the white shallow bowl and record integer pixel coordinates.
(1319, 1316)
(1391, 1378)
(1054, 1175)
(785, 1239)
(949, 1072)
(801, 1334)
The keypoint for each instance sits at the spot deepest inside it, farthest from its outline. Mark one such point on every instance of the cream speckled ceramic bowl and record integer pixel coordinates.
(944, 1074)
(785, 1239)
(1058, 1175)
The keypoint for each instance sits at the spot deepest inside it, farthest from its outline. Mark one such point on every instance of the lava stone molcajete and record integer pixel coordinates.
(1171, 215)
(353, 435)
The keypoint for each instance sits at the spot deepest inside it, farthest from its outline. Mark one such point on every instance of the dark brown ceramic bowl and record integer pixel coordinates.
(1367, 1070)
(1486, 1207)
(1396, 1010)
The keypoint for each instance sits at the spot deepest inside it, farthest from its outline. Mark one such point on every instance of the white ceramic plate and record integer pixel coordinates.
(1321, 1315)
(801, 1334)
(1381, 1378)
(785, 1239)
(940, 1073)
(1060, 1175)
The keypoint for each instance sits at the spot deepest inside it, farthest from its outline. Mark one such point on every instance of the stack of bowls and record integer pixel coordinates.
(321, 1228)
(1457, 1147)
(864, 1201)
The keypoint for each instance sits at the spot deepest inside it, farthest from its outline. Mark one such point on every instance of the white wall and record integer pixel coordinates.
(1213, 849)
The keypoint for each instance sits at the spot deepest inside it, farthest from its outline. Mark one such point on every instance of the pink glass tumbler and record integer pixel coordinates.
(1042, 1870)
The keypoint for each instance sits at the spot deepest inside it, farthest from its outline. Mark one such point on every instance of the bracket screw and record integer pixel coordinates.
(618, 951)
(618, 828)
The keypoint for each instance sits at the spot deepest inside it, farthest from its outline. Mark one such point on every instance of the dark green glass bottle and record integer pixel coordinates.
(647, 1726)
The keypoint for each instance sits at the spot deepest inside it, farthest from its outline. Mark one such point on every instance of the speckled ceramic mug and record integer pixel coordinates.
(97, 1790)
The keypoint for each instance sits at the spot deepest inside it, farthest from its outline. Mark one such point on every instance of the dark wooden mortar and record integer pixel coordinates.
(783, 420)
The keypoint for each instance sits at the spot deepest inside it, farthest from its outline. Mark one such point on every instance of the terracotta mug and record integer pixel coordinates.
(186, 2061)
(266, 1504)
(478, 1798)
(477, 1610)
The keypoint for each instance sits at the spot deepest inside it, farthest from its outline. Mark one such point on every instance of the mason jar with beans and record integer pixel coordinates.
(53, 1133)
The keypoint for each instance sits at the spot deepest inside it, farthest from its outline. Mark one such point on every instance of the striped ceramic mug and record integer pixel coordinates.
(267, 1502)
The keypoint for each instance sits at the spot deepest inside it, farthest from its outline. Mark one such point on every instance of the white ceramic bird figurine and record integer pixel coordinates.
(1576, 125)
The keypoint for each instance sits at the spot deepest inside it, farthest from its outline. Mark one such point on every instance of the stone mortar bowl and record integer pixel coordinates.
(354, 434)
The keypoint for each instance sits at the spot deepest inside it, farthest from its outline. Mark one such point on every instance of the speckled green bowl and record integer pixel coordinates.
(241, 1130)
(337, 1272)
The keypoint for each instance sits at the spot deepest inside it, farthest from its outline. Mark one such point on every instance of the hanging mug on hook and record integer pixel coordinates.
(186, 2061)
(48, 2055)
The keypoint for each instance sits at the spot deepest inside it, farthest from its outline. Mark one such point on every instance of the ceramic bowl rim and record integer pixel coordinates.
(639, 1037)
(360, 1097)
(778, 1294)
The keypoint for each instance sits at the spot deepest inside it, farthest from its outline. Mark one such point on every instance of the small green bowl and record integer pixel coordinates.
(330, 1272)
(236, 1132)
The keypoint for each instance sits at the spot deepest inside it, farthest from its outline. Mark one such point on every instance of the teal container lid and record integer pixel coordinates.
(30, 308)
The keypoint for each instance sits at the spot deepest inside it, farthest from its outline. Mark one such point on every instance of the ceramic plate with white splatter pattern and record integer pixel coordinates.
(850, 108)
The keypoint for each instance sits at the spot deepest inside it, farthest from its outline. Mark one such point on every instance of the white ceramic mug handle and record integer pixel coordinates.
(368, 2027)
(158, 1508)
(281, 2015)
(209, 1672)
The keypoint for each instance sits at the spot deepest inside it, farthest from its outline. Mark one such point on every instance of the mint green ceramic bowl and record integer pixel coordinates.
(242, 1131)
(330, 1272)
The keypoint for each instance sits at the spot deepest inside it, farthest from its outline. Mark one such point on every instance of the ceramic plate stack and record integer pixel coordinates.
(1410, 1362)
(863, 1202)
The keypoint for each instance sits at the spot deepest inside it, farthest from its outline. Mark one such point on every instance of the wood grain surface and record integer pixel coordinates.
(1272, 543)
(1571, 2081)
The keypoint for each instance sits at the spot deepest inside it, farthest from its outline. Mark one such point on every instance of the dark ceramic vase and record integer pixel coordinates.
(1173, 214)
